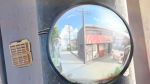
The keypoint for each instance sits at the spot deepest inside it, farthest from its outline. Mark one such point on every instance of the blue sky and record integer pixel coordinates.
(97, 15)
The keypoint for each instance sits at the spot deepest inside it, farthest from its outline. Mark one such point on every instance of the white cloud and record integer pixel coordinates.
(64, 35)
(96, 19)
(110, 20)
(70, 16)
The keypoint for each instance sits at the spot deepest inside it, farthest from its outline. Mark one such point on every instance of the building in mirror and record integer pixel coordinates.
(89, 48)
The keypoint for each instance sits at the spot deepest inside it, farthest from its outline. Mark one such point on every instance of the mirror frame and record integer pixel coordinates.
(128, 60)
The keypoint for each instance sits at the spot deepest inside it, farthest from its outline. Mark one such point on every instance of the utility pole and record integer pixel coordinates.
(83, 12)
(69, 38)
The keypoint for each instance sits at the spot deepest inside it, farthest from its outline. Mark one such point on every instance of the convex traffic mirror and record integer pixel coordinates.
(90, 44)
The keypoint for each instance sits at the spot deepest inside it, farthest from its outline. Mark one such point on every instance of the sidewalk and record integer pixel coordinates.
(69, 62)
(74, 68)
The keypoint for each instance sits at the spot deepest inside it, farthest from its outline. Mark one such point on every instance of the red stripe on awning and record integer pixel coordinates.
(93, 39)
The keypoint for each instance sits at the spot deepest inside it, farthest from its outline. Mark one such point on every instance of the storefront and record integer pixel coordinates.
(97, 46)
(97, 43)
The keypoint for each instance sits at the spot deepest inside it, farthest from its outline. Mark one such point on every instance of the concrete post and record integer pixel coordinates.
(145, 12)
(121, 7)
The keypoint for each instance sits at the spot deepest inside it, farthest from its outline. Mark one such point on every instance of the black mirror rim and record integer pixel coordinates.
(128, 60)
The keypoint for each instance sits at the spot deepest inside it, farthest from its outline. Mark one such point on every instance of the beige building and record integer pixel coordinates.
(97, 43)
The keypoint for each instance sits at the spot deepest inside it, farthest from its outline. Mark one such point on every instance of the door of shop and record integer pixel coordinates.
(101, 50)
(95, 51)
(92, 52)
(89, 52)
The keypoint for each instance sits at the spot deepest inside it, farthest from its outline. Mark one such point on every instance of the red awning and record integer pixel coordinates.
(94, 39)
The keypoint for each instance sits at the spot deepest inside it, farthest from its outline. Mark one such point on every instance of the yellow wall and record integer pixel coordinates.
(145, 13)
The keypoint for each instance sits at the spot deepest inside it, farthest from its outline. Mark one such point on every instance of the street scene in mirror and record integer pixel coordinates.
(89, 44)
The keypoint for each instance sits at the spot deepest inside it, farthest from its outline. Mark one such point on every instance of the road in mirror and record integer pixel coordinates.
(89, 44)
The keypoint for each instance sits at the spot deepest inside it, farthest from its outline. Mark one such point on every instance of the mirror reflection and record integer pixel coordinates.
(89, 44)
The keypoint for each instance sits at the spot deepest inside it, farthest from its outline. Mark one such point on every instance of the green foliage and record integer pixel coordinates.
(55, 34)
(53, 39)
(115, 72)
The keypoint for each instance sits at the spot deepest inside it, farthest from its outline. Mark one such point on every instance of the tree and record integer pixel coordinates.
(55, 54)
(54, 39)
(55, 34)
